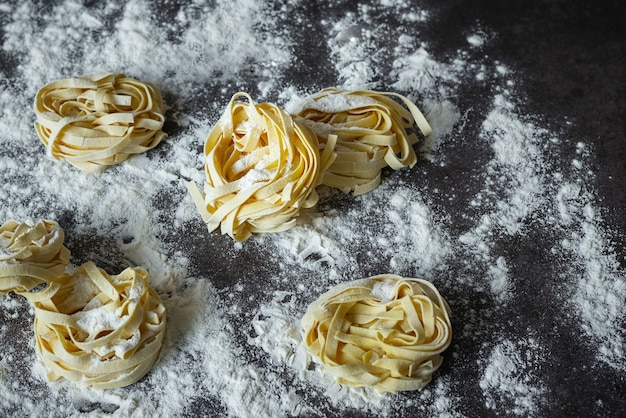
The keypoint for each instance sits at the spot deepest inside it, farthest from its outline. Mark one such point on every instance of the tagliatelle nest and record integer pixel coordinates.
(31, 254)
(385, 332)
(373, 131)
(96, 121)
(100, 330)
(261, 168)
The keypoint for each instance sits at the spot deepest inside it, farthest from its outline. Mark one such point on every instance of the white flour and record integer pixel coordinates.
(509, 378)
(234, 344)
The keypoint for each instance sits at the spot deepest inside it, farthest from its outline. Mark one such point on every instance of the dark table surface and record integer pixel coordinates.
(569, 61)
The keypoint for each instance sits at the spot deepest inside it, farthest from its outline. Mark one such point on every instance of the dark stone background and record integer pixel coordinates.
(571, 57)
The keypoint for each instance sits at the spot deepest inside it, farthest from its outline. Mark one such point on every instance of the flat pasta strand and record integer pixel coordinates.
(31, 254)
(100, 330)
(261, 168)
(99, 120)
(373, 131)
(385, 332)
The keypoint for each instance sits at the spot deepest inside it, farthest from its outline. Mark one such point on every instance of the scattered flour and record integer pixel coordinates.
(475, 40)
(509, 381)
(601, 287)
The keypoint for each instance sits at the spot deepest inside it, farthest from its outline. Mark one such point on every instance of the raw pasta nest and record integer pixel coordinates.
(100, 330)
(261, 168)
(373, 131)
(31, 254)
(99, 120)
(385, 332)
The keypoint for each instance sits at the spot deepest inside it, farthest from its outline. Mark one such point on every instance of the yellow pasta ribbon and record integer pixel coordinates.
(100, 330)
(373, 131)
(385, 332)
(99, 120)
(261, 168)
(31, 254)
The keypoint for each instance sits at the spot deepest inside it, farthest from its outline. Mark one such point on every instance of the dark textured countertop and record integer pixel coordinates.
(569, 65)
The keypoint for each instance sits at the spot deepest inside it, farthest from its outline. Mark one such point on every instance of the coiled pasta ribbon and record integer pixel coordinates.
(90, 327)
(100, 330)
(261, 168)
(31, 254)
(99, 120)
(385, 332)
(373, 131)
